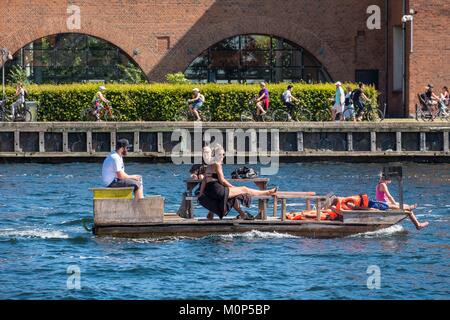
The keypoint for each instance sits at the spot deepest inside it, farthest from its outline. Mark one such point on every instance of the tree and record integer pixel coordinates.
(177, 77)
(131, 73)
(17, 74)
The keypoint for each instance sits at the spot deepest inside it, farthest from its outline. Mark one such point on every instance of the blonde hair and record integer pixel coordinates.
(216, 153)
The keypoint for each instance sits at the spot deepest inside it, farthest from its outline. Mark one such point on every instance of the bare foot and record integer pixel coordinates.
(273, 191)
(413, 207)
(422, 225)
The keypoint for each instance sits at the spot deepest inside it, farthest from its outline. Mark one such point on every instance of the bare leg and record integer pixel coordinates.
(197, 115)
(259, 109)
(236, 191)
(333, 114)
(210, 215)
(237, 207)
(411, 215)
(139, 193)
(419, 225)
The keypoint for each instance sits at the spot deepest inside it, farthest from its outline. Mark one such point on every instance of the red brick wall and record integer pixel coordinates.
(430, 61)
(327, 28)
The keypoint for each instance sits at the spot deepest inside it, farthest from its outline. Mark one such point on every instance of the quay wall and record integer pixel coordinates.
(87, 141)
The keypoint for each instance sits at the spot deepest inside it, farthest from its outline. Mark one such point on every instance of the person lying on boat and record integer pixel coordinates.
(218, 195)
(383, 195)
(113, 171)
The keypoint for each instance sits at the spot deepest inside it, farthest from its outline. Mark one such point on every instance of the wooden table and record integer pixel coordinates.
(261, 183)
(321, 201)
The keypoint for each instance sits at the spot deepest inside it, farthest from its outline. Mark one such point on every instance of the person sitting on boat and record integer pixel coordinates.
(113, 171)
(383, 195)
(218, 195)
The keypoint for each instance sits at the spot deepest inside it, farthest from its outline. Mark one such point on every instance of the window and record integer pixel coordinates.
(254, 58)
(73, 57)
(369, 77)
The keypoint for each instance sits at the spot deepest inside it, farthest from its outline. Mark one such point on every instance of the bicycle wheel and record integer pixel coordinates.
(247, 116)
(303, 115)
(374, 116)
(27, 116)
(280, 116)
(5, 115)
(206, 115)
(323, 115)
(111, 115)
(443, 116)
(349, 114)
(87, 115)
(182, 115)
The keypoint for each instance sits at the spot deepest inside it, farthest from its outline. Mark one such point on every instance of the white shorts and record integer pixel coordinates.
(338, 107)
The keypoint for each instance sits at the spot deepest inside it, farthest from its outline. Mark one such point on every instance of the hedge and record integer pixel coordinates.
(161, 102)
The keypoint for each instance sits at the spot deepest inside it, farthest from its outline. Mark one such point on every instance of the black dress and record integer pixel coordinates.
(215, 198)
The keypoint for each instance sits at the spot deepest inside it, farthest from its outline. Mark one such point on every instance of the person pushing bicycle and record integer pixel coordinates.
(358, 98)
(287, 99)
(97, 101)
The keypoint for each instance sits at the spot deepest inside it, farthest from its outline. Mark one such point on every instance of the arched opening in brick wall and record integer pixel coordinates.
(74, 57)
(256, 57)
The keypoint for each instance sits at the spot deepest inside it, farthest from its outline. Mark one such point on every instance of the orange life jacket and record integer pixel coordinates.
(350, 203)
(327, 214)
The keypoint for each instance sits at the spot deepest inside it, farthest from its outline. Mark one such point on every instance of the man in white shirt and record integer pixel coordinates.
(287, 99)
(113, 171)
(338, 107)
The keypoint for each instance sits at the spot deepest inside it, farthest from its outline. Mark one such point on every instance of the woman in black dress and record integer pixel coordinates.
(217, 194)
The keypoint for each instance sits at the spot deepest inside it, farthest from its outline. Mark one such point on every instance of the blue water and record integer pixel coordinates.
(42, 207)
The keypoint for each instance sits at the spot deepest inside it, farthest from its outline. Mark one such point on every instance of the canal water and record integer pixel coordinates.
(43, 243)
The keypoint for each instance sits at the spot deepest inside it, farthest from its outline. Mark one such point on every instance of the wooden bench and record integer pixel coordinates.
(112, 193)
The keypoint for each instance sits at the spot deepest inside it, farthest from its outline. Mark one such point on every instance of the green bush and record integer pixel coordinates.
(161, 102)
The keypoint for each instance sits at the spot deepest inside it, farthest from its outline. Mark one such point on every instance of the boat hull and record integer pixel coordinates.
(201, 228)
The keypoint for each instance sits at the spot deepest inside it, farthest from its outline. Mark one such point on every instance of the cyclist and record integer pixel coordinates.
(262, 102)
(20, 94)
(444, 100)
(287, 99)
(358, 98)
(97, 101)
(431, 100)
(196, 103)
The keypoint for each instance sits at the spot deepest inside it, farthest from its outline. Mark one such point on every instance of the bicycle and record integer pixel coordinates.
(21, 113)
(299, 113)
(277, 115)
(185, 113)
(324, 113)
(106, 113)
(424, 113)
(371, 112)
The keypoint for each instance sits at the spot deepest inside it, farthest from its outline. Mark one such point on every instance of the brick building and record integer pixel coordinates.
(347, 40)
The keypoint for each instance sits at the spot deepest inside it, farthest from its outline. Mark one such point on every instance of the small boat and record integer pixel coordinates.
(117, 214)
